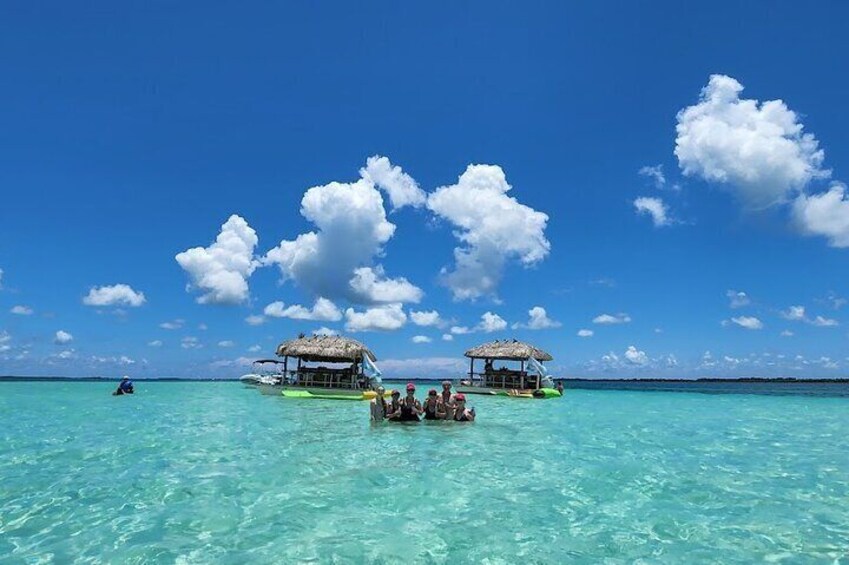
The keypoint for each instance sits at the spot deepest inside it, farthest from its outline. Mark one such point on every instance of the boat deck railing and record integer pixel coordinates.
(506, 379)
(321, 377)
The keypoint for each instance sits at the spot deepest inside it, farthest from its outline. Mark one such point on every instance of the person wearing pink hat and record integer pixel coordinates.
(410, 408)
(461, 413)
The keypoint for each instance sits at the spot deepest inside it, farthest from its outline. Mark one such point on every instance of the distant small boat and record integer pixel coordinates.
(264, 372)
(530, 380)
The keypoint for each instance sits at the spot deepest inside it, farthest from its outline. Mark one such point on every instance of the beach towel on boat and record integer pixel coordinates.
(537, 367)
(370, 369)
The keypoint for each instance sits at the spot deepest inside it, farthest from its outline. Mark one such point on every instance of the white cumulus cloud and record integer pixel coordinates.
(114, 295)
(352, 232)
(425, 318)
(756, 150)
(190, 342)
(538, 320)
(323, 310)
(824, 322)
(491, 322)
(387, 317)
(635, 356)
(611, 319)
(447, 337)
(373, 287)
(255, 320)
(5, 338)
(493, 228)
(325, 331)
(655, 208)
(655, 173)
(737, 299)
(21, 310)
(825, 214)
(585, 333)
(748, 322)
(221, 271)
(62, 337)
(155, 343)
(794, 313)
(421, 339)
(226, 343)
(798, 314)
(402, 189)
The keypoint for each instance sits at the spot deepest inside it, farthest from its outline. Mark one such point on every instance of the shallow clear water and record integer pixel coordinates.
(214, 472)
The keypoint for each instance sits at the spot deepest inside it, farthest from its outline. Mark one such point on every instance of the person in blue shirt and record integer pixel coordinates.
(126, 387)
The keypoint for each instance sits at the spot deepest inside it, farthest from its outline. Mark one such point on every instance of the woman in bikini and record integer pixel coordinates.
(410, 408)
(432, 406)
(394, 408)
(461, 413)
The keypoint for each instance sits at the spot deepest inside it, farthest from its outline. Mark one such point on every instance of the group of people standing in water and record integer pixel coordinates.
(437, 406)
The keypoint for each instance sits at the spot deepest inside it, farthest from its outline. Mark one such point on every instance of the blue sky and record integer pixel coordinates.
(676, 185)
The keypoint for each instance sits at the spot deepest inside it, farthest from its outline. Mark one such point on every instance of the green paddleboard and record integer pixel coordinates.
(548, 393)
(308, 394)
(297, 394)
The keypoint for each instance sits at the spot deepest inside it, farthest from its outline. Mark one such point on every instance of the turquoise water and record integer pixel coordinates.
(217, 473)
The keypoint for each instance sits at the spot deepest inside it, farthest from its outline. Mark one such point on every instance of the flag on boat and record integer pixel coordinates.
(537, 367)
(370, 369)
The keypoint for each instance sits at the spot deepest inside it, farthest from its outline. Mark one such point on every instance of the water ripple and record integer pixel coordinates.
(216, 473)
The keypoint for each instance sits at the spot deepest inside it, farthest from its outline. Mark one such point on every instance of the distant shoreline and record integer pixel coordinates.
(774, 380)
(15, 378)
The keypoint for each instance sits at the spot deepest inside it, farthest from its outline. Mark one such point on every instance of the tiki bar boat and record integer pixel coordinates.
(526, 377)
(325, 367)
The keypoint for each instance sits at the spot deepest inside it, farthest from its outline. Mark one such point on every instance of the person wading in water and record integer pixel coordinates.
(409, 408)
(379, 407)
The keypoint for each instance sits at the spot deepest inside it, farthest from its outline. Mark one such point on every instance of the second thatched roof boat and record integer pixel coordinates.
(525, 376)
(326, 367)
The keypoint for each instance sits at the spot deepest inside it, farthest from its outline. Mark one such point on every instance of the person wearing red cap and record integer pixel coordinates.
(461, 413)
(409, 408)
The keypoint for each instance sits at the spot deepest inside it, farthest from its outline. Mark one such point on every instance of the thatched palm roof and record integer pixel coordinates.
(509, 349)
(327, 348)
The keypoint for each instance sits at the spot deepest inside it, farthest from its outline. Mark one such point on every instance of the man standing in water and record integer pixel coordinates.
(125, 387)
